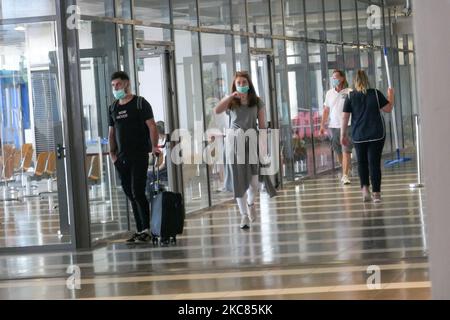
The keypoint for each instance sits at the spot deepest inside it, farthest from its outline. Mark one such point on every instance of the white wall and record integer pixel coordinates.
(150, 86)
(431, 24)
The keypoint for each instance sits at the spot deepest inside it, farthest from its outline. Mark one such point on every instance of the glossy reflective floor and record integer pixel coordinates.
(35, 220)
(315, 240)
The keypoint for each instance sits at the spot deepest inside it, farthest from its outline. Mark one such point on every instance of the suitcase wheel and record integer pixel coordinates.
(154, 240)
(173, 240)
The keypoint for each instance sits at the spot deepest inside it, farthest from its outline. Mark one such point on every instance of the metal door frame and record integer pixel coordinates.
(166, 50)
(268, 56)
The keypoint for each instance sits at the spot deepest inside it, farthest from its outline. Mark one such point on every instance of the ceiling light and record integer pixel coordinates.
(20, 28)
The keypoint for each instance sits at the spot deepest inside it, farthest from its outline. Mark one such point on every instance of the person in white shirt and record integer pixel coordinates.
(333, 109)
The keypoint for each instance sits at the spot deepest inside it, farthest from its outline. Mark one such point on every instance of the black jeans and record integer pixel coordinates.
(133, 175)
(369, 163)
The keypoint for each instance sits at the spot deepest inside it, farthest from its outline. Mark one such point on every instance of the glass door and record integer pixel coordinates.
(33, 192)
(109, 212)
(301, 149)
(155, 84)
(263, 80)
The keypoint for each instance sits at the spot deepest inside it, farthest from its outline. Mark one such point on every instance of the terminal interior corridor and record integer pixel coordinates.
(315, 240)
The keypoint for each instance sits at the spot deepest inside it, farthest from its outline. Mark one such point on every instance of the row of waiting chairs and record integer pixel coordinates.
(18, 161)
(15, 161)
(93, 168)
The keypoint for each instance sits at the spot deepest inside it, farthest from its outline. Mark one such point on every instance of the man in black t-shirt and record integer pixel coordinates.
(132, 136)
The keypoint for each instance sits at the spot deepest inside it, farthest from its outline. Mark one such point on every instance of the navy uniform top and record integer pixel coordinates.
(367, 120)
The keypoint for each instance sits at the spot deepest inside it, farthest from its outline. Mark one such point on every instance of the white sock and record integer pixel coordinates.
(242, 203)
(253, 190)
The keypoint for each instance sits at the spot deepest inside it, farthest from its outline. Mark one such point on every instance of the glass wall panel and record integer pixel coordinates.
(365, 34)
(123, 9)
(407, 102)
(126, 57)
(241, 53)
(349, 23)
(190, 108)
(11, 9)
(410, 42)
(184, 12)
(381, 84)
(258, 42)
(215, 14)
(412, 64)
(143, 34)
(317, 85)
(387, 26)
(33, 190)
(239, 15)
(258, 16)
(287, 138)
(302, 150)
(277, 17)
(156, 11)
(352, 62)
(102, 8)
(217, 60)
(335, 62)
(294, 18)
(378, 28)
(395, 74)
(333, 20)
(367, 63)
(314, 19)
(401, 42)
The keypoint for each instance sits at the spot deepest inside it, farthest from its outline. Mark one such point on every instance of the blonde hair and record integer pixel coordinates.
(361, 81)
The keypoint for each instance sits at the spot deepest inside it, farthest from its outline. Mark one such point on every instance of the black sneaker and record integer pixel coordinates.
(133, 238)
(143, 237)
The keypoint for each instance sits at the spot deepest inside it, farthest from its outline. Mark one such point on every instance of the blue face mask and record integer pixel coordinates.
(119, 94)
(243, 89)
(335, 83)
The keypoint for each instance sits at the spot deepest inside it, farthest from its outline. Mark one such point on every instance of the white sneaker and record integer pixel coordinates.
(376, 198)
(252, 212)
(367, 197)
(245, 223)
(346, 180)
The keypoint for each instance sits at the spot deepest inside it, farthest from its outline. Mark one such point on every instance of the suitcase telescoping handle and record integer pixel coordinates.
(155, 170)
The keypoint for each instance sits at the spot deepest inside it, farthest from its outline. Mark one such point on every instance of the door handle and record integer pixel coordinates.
(60, 151)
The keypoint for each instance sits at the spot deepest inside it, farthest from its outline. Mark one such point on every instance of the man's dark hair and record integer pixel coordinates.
(120, 75)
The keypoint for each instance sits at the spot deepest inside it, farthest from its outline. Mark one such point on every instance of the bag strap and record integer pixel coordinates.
(139, 103)
(113, 106)
(140, 107)
(379, 110)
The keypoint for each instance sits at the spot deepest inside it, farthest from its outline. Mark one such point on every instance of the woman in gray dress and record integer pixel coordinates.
(247, 112)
